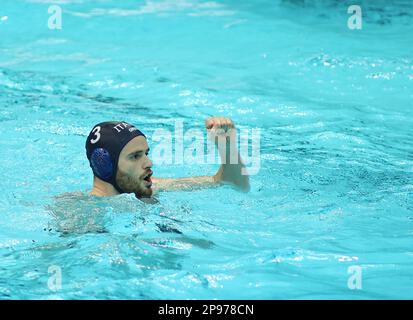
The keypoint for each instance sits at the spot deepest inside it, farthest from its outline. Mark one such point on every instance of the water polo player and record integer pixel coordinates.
(118, 156)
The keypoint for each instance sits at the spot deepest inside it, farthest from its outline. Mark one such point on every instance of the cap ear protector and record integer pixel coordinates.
(101, 163)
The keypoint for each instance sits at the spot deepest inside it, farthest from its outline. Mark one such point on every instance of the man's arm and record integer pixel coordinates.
(222, 131)
(176, 184)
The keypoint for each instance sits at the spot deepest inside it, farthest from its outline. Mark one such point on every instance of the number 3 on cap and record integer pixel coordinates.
(96, 131)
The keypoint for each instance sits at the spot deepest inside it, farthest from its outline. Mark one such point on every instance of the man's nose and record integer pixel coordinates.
(148, 163)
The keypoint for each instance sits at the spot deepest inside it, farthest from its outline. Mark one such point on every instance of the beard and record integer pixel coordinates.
(131, 184)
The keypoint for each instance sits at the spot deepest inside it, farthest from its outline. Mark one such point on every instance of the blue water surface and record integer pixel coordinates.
(334, 189)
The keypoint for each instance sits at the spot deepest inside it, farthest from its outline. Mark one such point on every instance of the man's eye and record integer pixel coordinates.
(136, 156)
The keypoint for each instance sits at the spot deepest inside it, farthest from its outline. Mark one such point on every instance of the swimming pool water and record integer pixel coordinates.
(334, 190)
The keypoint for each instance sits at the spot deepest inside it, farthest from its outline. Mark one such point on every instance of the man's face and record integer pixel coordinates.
(134, 168)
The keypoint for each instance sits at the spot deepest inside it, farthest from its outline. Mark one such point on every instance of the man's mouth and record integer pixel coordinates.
(147, 179)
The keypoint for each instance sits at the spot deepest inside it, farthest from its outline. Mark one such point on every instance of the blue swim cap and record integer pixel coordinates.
(104, 145)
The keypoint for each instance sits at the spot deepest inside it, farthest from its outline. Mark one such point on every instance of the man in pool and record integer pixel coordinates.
(118, 155)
